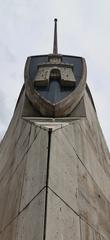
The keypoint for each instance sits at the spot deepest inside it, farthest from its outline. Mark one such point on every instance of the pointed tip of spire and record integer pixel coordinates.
(55, 44)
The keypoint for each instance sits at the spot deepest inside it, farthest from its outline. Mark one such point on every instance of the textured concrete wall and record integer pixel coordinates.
(55, 185)
(79, 181)
(23, 167)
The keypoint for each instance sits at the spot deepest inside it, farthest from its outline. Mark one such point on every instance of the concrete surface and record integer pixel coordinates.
(55, 184)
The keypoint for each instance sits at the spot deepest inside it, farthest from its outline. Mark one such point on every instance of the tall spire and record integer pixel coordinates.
(55, 44)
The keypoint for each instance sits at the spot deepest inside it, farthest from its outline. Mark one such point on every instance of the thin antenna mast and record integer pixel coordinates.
(55, 44)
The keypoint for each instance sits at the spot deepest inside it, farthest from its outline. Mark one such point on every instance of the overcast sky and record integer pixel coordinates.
(27, 29)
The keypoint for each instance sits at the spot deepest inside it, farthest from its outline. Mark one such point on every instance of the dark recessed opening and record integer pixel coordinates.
(55, 74)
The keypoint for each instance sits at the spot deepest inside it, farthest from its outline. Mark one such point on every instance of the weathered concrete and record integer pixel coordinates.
(87, 233)
(55, 184)
(62, 222)
(10, 232)
(62, 168)
(31, 220)
(93, 206)
(36, 168)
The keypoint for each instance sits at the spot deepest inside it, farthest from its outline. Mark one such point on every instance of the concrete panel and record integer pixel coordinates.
(82, 145)
(9, 232)
(36, 168)
(11, 196)
(63, 169)
(92, 163)
(87, 152)
(93, 207)
(14, 125)
(90, 114)
(103, 238)
(31, 220)
(22, 145)
(3, 197)
(6, 156)
(62, 222)
(85, 127)
(99, 143)
(93, 125)
(34, 133)
(104, 151)
(74, 186)
(97, 236)
(13, 152)
(87, 233)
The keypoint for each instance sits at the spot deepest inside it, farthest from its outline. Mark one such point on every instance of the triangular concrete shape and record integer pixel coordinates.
(54, 184)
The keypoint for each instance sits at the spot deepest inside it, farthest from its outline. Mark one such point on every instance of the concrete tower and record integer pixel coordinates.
(54, 161)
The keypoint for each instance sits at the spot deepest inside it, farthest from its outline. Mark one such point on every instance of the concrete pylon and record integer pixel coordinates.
(54, 163)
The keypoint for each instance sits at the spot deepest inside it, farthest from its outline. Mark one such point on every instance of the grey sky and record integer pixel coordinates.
(27, 29)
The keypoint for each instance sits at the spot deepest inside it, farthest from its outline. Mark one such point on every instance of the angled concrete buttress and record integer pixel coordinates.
(54, 161)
